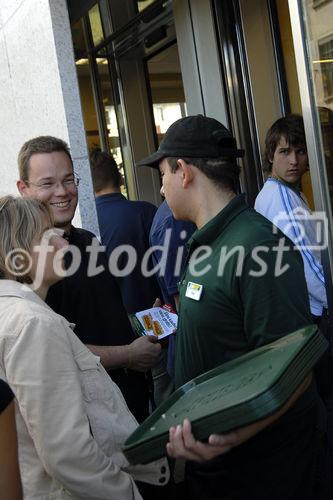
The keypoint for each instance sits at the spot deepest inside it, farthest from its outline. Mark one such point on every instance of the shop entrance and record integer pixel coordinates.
(131, 84)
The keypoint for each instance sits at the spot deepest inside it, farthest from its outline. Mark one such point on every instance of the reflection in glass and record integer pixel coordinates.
(326, 61)
(89, 111)
(88, 106)
(110, 115)
(142, 4)
(318, 17)
(96, 25)
(79, 44)
(86, 91)
(167, 89)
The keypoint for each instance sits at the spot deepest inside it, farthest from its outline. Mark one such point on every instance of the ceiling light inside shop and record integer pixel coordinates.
(101, 60)
(322, 61)
(81, 61)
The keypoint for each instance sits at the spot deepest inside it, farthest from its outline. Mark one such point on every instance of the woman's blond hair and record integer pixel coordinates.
(21, 221)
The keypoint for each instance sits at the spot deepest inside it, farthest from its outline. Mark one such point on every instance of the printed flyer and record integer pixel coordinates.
(158, 321)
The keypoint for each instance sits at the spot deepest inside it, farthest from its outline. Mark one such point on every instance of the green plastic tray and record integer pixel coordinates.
(232, 395)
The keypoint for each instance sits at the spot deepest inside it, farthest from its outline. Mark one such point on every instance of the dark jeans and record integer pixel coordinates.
(329, 409)
(324, 378)
(277, 464)
(152, 492)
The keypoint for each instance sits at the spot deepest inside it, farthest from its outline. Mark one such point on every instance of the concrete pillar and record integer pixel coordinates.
(39, 92)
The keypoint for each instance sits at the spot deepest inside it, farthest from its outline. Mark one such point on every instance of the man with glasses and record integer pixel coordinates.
(93, 303)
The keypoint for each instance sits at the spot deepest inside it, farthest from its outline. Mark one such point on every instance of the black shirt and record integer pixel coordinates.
(125, 222)
(6, 395)
(94, 304)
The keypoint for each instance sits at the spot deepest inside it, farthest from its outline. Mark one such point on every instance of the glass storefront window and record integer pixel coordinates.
(292, 80)
(114, 75)
(143, 4)
(85, 86)
(165, 114)
(312, 28)
(98, 109)
(166, 88)
(80, 49)
(96, 25)
(319, 28)
(123, 11)
(88, 105)
(326, 61)
(110, 115)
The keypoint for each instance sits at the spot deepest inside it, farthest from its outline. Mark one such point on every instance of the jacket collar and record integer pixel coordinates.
(11, 288)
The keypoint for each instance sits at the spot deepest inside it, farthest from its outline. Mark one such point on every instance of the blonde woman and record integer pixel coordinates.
(71, 418)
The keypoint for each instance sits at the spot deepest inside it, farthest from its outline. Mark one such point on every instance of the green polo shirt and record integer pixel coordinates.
(237, 310)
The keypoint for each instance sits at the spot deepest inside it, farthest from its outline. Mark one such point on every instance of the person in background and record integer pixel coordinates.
(71, 417)
(282, 202)
(174, 233)
(168, 233)
(10, 479)
(124, 222)
(226, 311)
(92, 302)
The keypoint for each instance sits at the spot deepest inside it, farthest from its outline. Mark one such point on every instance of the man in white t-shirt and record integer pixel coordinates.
(282, 202)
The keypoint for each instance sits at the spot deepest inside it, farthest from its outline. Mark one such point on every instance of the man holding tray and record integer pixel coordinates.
(244, 287)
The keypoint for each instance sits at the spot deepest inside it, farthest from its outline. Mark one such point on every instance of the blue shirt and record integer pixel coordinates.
(172, 234)
(124, 222)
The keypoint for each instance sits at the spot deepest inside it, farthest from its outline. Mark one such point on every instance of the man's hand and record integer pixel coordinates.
(143, 353)
(157, 303)
(182, 443)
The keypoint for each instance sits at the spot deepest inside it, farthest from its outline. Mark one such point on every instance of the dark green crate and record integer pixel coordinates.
(232, 395)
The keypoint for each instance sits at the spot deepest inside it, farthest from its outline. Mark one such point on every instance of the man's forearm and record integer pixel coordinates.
(112, 357)
(140, 355)
(176, 299)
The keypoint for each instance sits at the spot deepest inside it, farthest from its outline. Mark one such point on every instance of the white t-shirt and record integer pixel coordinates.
(289, 211)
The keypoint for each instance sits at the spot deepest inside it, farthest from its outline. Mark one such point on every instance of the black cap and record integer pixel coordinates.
(195, 137)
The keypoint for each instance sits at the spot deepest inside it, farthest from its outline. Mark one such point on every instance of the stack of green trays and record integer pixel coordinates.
(232, 395)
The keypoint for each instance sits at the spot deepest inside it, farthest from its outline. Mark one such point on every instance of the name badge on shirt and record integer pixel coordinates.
(193, 291)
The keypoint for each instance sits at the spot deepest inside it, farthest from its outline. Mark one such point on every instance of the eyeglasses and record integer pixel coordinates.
(69, 183)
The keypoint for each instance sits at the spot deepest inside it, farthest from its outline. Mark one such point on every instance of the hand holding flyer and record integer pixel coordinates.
(158, 321)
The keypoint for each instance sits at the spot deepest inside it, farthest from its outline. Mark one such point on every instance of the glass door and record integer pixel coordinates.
(146, 71)
(312, 26)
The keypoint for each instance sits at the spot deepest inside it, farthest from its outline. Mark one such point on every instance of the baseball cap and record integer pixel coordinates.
(195, 137)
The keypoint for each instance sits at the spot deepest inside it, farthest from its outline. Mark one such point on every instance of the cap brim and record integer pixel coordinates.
(152, 160)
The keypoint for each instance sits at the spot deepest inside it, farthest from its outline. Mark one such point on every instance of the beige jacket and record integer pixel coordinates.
(71, 418)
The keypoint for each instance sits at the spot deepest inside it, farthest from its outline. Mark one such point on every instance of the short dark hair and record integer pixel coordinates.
(290, 127)
(39, 145)
(224, 172)
(104, 170)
